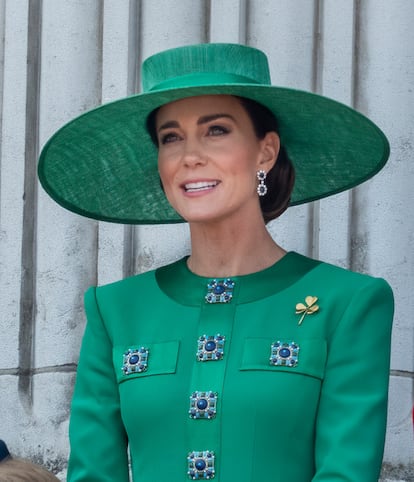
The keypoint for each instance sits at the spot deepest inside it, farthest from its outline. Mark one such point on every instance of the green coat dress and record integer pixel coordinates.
(239, 387)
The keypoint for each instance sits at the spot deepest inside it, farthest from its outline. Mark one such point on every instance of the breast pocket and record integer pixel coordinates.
(293, 356)
(145, 359)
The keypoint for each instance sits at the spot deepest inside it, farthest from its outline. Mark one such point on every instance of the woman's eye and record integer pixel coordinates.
(168, 138)
(217, 130)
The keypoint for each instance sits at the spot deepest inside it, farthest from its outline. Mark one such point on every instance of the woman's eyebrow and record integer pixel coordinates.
(211, 117)
(168, 124)
(202, 120)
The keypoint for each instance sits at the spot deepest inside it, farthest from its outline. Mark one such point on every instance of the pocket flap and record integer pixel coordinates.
(311, 356)
(156, 359)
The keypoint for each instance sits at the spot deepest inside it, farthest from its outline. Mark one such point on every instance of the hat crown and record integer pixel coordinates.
(205, 64)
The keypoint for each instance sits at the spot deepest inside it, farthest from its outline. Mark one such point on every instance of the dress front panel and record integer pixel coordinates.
(249, 383)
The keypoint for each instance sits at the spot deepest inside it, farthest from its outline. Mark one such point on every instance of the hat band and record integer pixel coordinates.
(203, 79)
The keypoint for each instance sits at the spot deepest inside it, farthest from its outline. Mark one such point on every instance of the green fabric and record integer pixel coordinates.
(322, 421)
(103, 164)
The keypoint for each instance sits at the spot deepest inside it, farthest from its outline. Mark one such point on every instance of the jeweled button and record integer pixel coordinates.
(203, 405)
(210, 348)
(284, 353)
(135, 360)
(201, 465)
(219, 291)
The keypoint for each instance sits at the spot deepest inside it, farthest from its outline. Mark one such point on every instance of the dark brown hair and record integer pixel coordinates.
(280, 179)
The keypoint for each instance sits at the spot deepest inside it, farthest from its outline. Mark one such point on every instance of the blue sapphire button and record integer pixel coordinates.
(219, 291)
(203, 405)
(210, 345)
(201, 465)
(210, 348)
(284, 353)
(135, 360)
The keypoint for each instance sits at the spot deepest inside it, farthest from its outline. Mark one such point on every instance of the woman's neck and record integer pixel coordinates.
(222, 250)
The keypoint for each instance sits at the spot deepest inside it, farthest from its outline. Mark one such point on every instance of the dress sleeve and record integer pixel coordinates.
(97, 436)
(351, 422)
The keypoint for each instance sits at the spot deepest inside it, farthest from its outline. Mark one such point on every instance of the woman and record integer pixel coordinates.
(242, 361)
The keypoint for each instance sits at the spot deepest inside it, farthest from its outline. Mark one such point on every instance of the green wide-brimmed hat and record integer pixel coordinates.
(103, 164)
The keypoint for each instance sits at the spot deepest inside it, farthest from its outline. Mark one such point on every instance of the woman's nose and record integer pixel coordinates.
(193, 154)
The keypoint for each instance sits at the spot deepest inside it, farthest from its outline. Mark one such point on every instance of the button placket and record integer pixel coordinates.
(212, 348)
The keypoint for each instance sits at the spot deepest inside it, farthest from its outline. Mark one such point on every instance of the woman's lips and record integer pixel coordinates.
(199, 186)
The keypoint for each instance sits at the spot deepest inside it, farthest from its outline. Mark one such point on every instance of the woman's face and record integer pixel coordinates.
(209, 156)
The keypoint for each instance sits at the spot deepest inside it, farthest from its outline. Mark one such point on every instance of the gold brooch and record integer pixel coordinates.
(308, 309)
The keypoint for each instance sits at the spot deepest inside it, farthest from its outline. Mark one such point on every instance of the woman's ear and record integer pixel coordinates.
(270, 150)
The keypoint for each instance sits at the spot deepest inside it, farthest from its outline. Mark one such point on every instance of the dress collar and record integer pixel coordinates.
(187, 288)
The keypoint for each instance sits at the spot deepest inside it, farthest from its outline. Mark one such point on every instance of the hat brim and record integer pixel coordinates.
(103, 164)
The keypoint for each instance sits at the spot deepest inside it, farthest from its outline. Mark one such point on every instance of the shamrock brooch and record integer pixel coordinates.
(308, 308)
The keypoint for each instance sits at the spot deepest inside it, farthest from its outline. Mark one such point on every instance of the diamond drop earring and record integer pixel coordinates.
(261, 188)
